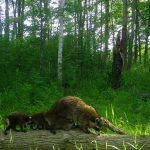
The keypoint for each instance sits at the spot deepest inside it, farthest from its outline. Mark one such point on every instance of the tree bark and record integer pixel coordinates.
(14, 34)
(19, 16)
(60, 44)
(117, 62)
(70, 140)
(106, 28)
(6, 21)
(0, 21)
(146, 40)
(124, 32)
(81, 22)
(41, 37)
(131, 39)
(136, 34)
(22, 18)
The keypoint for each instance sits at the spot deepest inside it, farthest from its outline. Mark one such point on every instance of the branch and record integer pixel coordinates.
(110, 126)
(65, 140)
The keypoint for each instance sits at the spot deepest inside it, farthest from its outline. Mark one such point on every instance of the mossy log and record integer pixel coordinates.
(69, 140)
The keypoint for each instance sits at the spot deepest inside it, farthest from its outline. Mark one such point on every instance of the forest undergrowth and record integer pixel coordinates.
(128, 107)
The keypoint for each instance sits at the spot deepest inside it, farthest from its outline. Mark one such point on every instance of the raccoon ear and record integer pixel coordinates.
(97, 119)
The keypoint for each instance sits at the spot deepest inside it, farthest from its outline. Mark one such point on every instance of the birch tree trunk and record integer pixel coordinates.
(60, 44)
(71, 140)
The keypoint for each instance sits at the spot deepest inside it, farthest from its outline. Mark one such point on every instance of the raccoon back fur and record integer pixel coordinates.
(74, 109)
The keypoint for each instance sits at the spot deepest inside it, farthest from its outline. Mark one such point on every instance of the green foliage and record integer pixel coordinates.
(124, 107)
(26, 88)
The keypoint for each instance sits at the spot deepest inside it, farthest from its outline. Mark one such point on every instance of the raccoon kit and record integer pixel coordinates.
(39, 121)
(74, 109)
(57, 122)
(14, 119)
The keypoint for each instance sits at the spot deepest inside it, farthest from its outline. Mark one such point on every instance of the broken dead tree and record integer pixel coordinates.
(109, 125)
(117, 62)
(70, 140)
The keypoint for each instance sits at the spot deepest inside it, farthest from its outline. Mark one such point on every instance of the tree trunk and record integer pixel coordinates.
(81, 23)
(124, 34)
(22, 19)
(106, 27)
(41, 37)
(46, 21)
(140, 49)
(71, 140)
(117, 62)
(19, 16)
(14, 34)
(95, 27)
(136, 34)
(0, 21)
(6, 21)
(101, 27)
(146, 40)
(60, 46)
(132, 34)
(112, 24)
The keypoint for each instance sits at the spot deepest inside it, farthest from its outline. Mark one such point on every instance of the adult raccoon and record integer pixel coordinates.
(74, 109)
(14, 119)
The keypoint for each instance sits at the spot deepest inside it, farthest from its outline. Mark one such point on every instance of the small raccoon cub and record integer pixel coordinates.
(14, 119)
(38, 121)
(57, 122)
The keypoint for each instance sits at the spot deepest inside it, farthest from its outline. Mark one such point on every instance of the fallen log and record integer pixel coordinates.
(70, 140)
